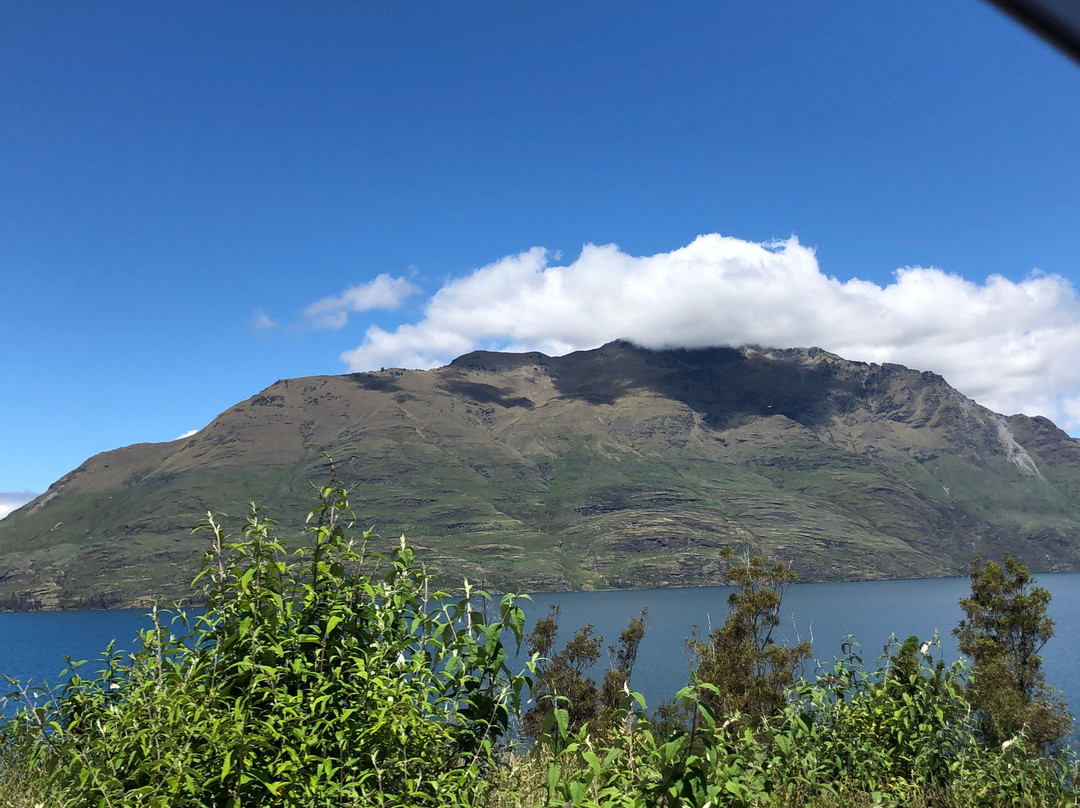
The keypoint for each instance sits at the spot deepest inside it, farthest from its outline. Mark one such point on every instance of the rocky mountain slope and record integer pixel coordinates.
(617, 467)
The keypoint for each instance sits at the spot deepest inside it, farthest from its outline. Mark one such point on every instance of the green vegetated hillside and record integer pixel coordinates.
(617, 467)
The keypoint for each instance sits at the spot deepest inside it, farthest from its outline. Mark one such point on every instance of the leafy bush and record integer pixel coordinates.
(748, 732)
(749, 671)
(898, 735)
(561, 680)
(328, 677)
(1005, 628)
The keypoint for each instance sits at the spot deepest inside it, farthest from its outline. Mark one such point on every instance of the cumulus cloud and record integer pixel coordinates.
(187, 434)
(11, 500)
(384, 292)
(1009, 345)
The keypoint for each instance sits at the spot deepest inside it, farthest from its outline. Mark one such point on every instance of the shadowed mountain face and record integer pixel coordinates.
(618, 467)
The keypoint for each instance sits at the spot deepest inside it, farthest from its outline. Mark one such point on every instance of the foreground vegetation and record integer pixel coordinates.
(333, 677)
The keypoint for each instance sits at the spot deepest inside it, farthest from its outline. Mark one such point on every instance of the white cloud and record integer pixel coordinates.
(187, 434)
(384, 292)
(1009, 345)
(11, 500)
(260, 320)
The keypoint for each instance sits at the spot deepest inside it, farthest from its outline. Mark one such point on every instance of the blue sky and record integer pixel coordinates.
(199, 199)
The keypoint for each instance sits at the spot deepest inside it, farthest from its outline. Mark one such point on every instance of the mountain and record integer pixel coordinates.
(616, 467)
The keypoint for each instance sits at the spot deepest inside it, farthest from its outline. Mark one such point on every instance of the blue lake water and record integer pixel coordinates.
(32, 645)
(824, 613)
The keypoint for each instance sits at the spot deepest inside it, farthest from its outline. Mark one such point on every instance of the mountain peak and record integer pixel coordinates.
(611, 467)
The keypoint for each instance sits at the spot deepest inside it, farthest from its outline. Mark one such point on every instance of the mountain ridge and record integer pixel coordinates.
(619, 466)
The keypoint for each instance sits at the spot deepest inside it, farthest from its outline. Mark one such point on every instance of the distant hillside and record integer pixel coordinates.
(617, 467)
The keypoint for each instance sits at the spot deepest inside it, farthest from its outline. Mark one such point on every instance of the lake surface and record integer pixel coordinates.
(32, 645)
(823, 613)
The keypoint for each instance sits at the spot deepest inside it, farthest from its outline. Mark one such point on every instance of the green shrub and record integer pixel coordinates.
(748, 732)
(1005, 628)
(900, 735)
(330, 677)
(327, 677)
(749, 671)
(561, 680)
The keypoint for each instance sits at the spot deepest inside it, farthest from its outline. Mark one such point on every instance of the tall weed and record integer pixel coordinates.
(325, 677)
